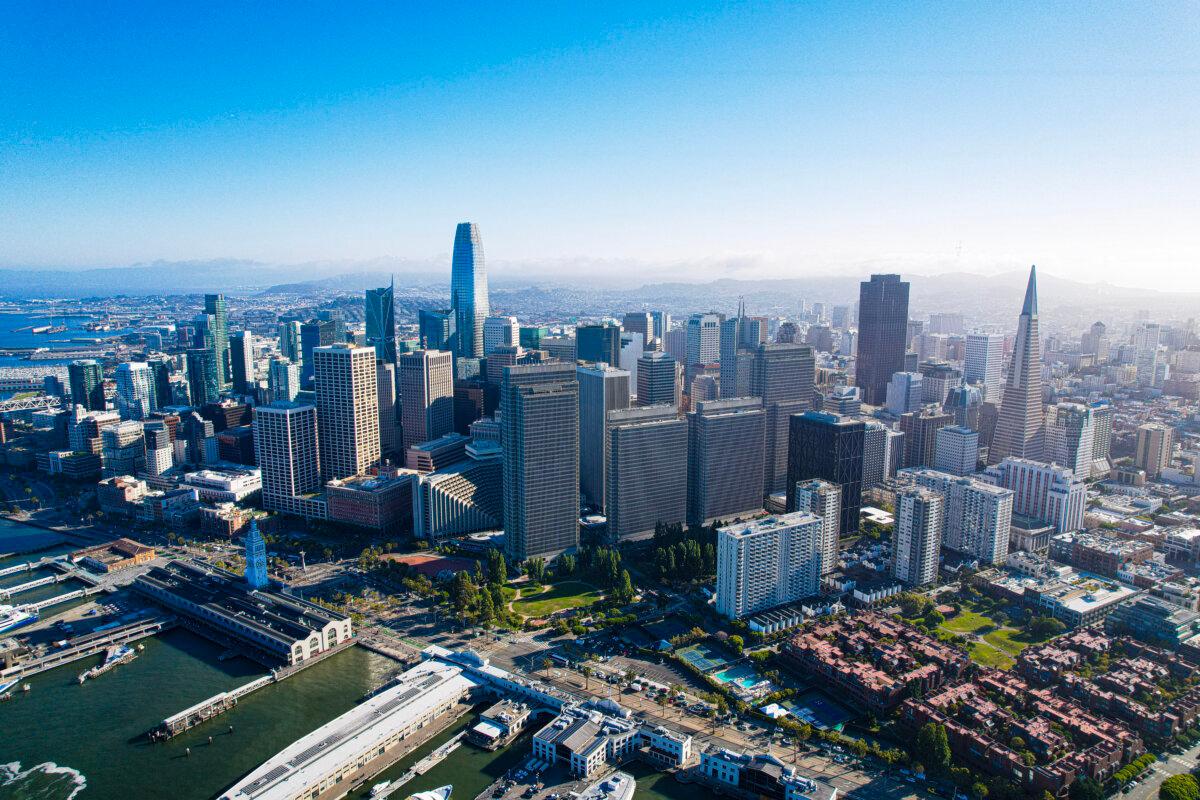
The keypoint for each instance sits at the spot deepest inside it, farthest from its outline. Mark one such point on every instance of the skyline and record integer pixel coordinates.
(739, 141)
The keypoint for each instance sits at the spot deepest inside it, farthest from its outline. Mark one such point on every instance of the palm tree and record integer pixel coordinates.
(546, 665)
(587, 675)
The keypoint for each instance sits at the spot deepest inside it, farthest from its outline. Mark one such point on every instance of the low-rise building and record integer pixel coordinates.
(114, 556)
(120, 494)
(759, 776)
(225, 486)
(381, 503)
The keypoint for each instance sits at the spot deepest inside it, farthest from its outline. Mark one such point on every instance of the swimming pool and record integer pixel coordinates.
(742, 675)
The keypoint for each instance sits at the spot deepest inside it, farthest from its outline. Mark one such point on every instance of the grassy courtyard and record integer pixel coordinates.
(990, 642)
(556, 597)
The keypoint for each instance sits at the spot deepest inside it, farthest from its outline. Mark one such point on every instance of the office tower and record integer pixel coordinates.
(965, 405)
(917, 537)
(882, 335)
(1070, 433)
(1020, 427)
(658, 380)
(725, 459)
(436, 329)
(531, 335)
(503, 357)
(289, 340)
(978, 515)
(662, 324)
(204, 381)
(561, 348)
(159, 452)
(920, 434)
(241, 361)
(500, 331)
(946, 322)
(598, 343)
(646, 481)
(1102, 426)
(468, 290)
(256, 558)
(703, 339)
(283, 379)
(831, 448)
(286, 451)
(313, 334)
(956, 450)
(389, 429)
(1145, 342)
(1095, 342)
(839, 317)
(782, 377)
(767, 563)
(1049, 493)
(881, 451)
(380, 313)
(820, 337)
(905, 393)
(640, 322)
(218, 313)
(1155, 442)
(937, 379)
(602, 388)
(539, 418)
(844, 401)
(675, 343)
(347, 410)
(632, 348)
(984, 363)
(123, 449)
(135, 391)
(160, 382)
(787, 333)
(823, 500)
(739, 340)
(704, 387)
(426, 395)
(86, 378)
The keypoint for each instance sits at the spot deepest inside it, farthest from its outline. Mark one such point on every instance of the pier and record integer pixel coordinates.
(424, 765)
(28, 566)
(89, 645)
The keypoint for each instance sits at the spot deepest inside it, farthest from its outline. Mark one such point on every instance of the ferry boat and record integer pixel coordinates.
(440, 793)
(114, 656)
(618, 786)
(13, 617)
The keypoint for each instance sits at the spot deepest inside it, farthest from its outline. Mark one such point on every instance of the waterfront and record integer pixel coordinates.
(11, 335)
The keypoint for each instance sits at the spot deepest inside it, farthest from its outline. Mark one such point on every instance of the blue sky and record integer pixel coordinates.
(757, 138)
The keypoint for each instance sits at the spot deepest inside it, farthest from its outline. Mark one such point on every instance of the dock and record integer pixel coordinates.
(28, 566)
(425, 764)
(89, 645)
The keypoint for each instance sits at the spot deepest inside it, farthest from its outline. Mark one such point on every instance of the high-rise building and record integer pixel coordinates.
(347, 410)
(662, 324)
(782, 377)
(1070, 434)
(214, 306)
(426, 395)
(1145, 342)
(1048, 493)
(829, 447)
(289, 340)
(602, 388)
(86, 378)
(823, 500)
(725, 459)
(500, 331)
(380, 308)
(123, 449)
(539, 434)
(1102, 423)
(241, 361)
(703, 339)
(978, 515)
(984, 363)
(204, 382)
(160, 372)
(965, 405)
(390, 439)
(937, 379)
(598, 343)
(646, 481)
(283, 379)
(767, 563)
(468, 290)
(882, 335)
(956, 450)
(882, 448)
(159, 452)
(1155, 442)
(640, 322)
(920, 434)
(436, 328)
(256, 558)
(313, 334)
(1095, 342)
(1020, 429)
(905, 393)
(946, 322)
(135, 390)
(286, 451)
(658, 380)
(917, 538)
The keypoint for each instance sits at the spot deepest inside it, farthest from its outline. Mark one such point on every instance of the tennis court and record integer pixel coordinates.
(818, 710)
(702, 657)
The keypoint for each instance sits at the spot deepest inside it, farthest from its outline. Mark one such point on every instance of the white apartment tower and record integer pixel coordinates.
(918, 536)
(767, 563)
(347, 410)
(824, 501)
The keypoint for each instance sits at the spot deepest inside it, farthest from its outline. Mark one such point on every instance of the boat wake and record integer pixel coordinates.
(47, 781)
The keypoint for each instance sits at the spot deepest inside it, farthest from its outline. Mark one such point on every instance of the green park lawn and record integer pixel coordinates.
(556, 597)
(968, 622)
(994, 648)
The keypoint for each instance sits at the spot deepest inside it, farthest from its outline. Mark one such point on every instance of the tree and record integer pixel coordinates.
(932, 747)
(546, 665)
(1179, 787)
(566, 565)
(1045, 627)
(1087, 789)
(535, 568)
(497, 568)
(587, 676)
(737, 643)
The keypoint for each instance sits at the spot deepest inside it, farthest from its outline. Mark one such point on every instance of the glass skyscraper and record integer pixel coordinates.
(882, 335)
(214, 305)
(468, 291)
(381, 322)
